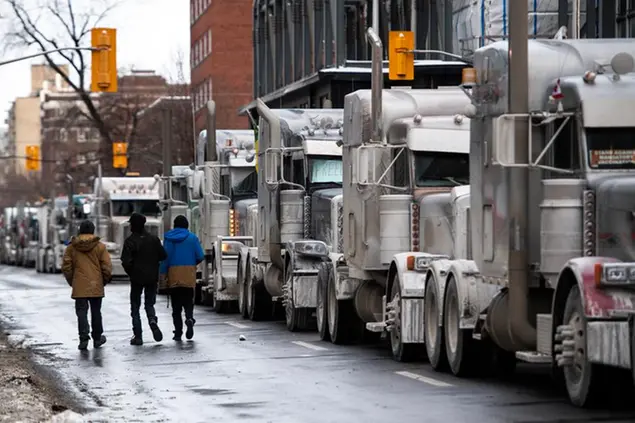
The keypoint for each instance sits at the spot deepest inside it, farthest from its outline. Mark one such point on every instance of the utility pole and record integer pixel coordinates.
(518, 179)
(98, 200)
(69, 210)
(166, 128)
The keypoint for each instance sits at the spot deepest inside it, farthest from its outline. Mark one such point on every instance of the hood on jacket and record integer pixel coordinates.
(177, 235)
(85, 242)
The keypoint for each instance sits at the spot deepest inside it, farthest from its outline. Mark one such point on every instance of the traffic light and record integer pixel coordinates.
(103, 60)
(33, 157)
(401, 58)
(120, 155)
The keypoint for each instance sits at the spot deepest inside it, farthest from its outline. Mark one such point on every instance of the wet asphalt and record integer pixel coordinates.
(272, 376)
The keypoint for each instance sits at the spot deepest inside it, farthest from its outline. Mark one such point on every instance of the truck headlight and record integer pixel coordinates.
(614, 274)
(311, 248)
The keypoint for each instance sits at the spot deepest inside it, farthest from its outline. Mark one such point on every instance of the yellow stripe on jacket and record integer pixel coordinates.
(182, 276)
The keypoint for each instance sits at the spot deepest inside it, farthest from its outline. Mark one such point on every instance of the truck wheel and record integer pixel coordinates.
(583, 379)
(342, 320)
(198, 294)
(297, 319)
(435, 345)
(460, 347)
(321, 311)
(222, 307)
(242, 292)
(258, 300)
(401, 351)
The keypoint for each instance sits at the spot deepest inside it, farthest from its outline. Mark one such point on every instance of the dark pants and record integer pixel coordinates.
(81, 309)
(182, 300)
(150, 298)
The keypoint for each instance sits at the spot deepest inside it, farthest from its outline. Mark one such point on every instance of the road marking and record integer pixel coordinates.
(309, 346)
(237, 325)
(424, 379)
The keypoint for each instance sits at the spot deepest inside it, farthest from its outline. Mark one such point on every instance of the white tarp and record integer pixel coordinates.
(480, 22)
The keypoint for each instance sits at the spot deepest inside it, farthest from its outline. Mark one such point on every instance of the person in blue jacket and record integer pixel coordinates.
(184, 253)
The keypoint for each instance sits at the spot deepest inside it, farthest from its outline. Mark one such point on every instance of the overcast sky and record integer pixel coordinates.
(150, 35)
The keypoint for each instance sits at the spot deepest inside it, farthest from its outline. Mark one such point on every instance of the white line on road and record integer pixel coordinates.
(237, 325)
(424, 379)
(309, 346)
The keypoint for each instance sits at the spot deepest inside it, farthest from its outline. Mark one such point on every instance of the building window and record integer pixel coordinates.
(63, 135)
(201, 48)
(81, 135)
(197, 8)
(625, 18)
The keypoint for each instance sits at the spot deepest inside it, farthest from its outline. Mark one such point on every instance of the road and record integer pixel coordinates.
(272, 376)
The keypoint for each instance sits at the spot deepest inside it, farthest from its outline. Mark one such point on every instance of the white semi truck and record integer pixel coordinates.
(552, 220)
(299, 161)
(229, 187)
(117, 199)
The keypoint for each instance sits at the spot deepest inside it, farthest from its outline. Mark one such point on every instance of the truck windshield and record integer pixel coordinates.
(611, 148)
(325, 170)
(436, 169)
(127, 207)
(242, 184)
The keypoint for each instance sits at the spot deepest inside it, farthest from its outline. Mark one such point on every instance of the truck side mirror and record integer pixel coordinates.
(503, 133)
(271, 167)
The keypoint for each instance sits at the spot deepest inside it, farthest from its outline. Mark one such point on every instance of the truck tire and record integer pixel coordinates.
(297, 319)
(585, 381)
(400, 351)
(342, 320)
(242, 292)
(435, 344)
(460, 347)
(222, 307)
(259, 306)
(325, 274)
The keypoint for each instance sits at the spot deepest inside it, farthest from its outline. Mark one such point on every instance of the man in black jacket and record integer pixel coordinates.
(141, 255)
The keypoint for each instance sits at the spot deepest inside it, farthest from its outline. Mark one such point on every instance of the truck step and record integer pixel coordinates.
(533, 357)
(376, 326)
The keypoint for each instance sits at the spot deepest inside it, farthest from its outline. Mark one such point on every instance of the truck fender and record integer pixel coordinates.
(437, 274)
(474, 295)
(412, 282)
(304, 272)
(598, 303)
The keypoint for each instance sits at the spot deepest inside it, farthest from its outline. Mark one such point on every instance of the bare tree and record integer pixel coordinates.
(55, 24)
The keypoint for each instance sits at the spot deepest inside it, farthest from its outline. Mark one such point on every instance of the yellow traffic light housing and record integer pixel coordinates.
(401, 58)
(120, 155)
(103, 60)
(33, 157)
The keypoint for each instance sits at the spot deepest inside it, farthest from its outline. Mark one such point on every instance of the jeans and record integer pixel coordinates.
(150, 298)
(81, 309)
(182, 300)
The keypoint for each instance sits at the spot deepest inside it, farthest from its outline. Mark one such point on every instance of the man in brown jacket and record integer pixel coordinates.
(87, 268)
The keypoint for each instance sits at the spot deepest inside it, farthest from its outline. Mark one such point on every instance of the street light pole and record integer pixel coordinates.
(44, 53)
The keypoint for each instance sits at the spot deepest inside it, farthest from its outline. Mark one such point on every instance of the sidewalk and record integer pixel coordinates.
(26, 396)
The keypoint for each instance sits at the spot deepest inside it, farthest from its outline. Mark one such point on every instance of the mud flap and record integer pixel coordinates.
(412, 328)
(305, 286)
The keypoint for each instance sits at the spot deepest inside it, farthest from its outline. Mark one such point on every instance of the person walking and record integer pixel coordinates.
(141, 256)
(87, 268)
(184, 254)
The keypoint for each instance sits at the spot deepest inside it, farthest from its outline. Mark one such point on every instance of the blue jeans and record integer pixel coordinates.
(150, 298)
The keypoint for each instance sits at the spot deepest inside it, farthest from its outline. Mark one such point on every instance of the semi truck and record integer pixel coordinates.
(229, 188)
(299, 160)
(404, 152)
(116, 198)
(552, 220)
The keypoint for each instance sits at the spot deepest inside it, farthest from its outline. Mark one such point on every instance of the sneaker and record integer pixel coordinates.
(83, 345)
(189, 333)
(99, 342)
(156, 332)
(176, 337)
(136, 340)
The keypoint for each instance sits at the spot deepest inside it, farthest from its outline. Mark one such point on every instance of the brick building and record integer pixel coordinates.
(72, 144)
(221, 59)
